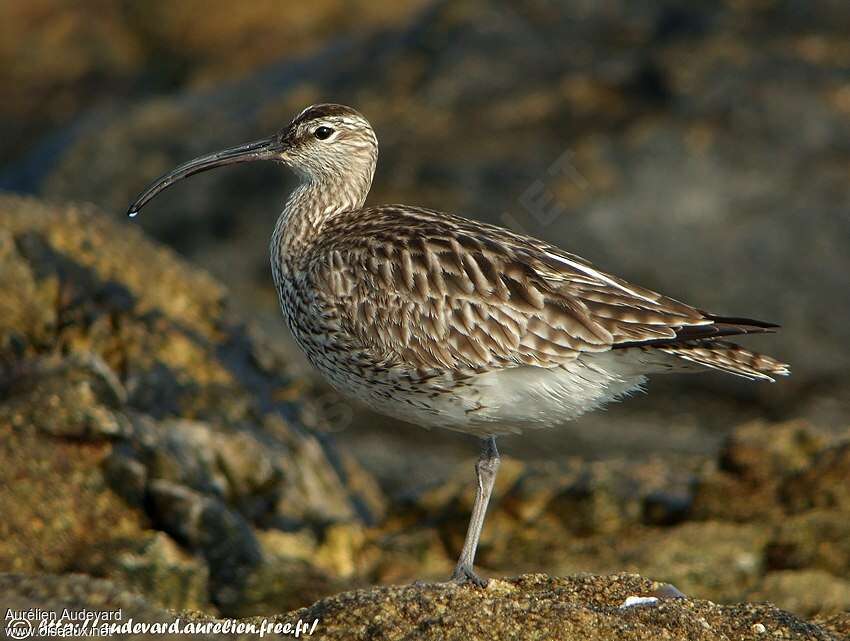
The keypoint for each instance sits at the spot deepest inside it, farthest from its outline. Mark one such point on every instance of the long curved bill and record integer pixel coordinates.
(266, 149)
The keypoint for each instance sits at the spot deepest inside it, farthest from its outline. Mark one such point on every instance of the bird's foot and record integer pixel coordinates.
(464, 574)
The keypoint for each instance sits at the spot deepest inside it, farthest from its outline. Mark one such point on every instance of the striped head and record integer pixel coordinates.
(327, 145)
(330, 142)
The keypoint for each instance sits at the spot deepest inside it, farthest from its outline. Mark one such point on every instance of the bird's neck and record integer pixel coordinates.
(314, 202)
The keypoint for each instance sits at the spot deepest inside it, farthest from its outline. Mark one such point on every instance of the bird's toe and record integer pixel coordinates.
(465, 575)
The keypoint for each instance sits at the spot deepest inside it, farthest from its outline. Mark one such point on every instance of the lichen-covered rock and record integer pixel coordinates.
(805, 592)
(151, 564)
(837, 624)
(818, 538)
(540, 607)
(133, 398)
(623, 607)
(691, 555)
(822, 484)
(76, 397)
(751, 466)
(78, 593)
(55, 500)
(676, 523)
(282, 581)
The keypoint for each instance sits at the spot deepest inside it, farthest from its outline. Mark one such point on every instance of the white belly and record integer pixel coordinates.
(531, 397)
(510, 400)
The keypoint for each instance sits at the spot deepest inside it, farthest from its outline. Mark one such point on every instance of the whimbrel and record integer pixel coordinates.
(443, 321)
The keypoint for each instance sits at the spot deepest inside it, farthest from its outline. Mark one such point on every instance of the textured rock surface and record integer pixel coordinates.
(528, 607)
(133, 400)
(679, 524)
(55, 501)
(77, 592)
(540, 607)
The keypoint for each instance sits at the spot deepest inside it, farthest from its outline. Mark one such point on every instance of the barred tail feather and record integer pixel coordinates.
(728, 357)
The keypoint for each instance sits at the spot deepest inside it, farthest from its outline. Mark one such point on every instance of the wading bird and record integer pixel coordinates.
(443, 321)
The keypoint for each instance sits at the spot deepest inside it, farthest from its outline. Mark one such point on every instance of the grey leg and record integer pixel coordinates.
(485, 471)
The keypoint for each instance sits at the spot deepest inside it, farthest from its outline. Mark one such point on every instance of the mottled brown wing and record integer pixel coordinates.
(437, 291)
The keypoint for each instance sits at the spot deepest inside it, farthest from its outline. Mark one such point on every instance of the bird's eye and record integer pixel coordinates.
(323, 133)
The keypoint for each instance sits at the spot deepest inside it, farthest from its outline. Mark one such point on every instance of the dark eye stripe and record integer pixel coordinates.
(323, 133)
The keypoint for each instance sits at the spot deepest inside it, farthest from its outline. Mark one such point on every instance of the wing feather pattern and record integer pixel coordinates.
(437, 291)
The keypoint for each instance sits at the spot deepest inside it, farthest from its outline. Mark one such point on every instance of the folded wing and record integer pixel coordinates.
(436, 291)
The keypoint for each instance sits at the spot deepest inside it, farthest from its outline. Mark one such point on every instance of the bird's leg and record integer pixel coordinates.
(485, 471)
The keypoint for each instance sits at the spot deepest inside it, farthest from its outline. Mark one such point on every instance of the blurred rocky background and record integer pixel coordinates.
(159, 431)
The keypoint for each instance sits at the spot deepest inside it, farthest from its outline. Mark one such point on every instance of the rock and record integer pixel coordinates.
(179, 351)
(751, 467)
(216, 531)
(411, 554)
(128, 407)
(531, 607)
(823, 484)
(296, 583)
(227, 464)
(77, 593)
(72, 397)
(55, 500)
(805, 592)
(760, 451)
(606, 497)
(153, 565)
(837, 624)
(818, 538)
(691, 555)
(574, 498)
(666, 507)
(540, 607)
(579, 516)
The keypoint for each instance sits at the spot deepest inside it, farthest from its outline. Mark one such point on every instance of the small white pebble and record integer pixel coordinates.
(633, 601)
(758, 627)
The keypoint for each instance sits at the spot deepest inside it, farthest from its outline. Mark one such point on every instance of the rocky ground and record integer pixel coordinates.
(623, 607)
(150, 438)
(146, 432)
